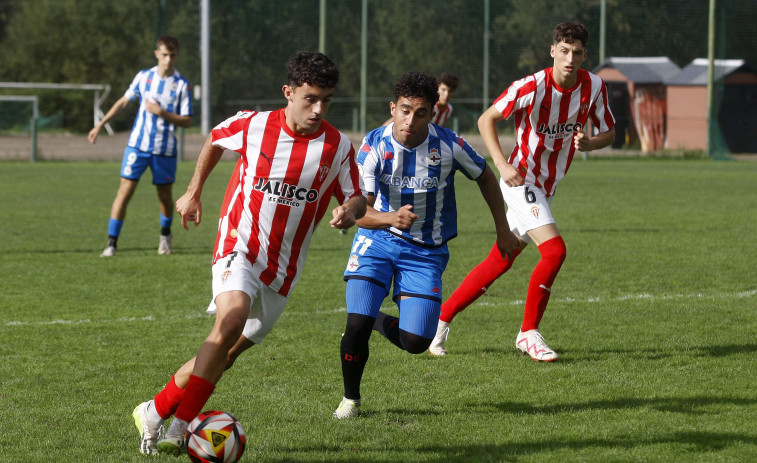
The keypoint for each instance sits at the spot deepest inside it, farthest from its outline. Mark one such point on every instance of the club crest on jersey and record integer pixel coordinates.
(433, 158)
(535, 211)
(584, 107)
(388, 155)
(323, 171)
(353, 264)
(225, 276)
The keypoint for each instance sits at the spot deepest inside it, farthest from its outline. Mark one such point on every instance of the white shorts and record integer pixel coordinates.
(234, 273)
(527, 208)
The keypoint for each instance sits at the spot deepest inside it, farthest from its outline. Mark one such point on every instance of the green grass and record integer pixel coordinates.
(652, 316)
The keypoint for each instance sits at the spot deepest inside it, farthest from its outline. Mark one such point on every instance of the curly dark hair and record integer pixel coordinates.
(312, 68)
(569, 33)
(417, 84)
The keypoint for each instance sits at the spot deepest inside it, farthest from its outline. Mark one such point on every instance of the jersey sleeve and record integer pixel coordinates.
(368, 163)
(185, 99)
(519, 95)
(467, 159)
(601, 116)
(349, 181)
(132, 93)
(229, 134)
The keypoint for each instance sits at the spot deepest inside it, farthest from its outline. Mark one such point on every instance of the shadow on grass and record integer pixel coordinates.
(689, 405)
(657, 353)
(646, 353)
(699, 442)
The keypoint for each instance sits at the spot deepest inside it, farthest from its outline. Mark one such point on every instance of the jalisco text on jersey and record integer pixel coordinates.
(410, 182)
(286, 190)
(555, 129)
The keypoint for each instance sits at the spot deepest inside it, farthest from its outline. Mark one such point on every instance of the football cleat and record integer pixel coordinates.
(173, 442)
(109, 251)
(349, 408)
(532, 343)
(437, 345)
(166, 246)
(149, 433)
(172, 446)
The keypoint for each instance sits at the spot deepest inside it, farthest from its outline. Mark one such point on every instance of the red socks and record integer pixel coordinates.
(476, 283)
(480, 278)
(542, 278)
(168, 400)
(196, 394)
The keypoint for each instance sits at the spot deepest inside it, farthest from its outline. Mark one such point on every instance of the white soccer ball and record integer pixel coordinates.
(215, 437)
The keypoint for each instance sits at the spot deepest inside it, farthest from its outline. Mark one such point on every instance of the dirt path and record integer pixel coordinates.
(68, 147)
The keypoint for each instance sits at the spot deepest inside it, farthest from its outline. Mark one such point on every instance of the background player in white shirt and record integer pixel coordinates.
(292, 162)
(164, 103)
(551, 109)
(408, 170)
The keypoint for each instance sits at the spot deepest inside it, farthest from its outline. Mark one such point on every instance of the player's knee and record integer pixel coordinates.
(498, 264)
(356, 335)
(226, 331)
(413, 343)
(554, 250)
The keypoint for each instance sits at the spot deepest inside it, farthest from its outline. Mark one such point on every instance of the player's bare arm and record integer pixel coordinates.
(487, 126)
(348, 213)
(507, 242)
(401, 219)
(117, 107)
(189, 206)
(583, 142)
(154, 107)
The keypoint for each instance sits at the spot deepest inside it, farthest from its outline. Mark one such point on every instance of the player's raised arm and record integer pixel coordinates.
(189, 206)
(487, 126)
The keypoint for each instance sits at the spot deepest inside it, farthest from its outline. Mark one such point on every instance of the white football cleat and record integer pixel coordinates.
(173, 442)
(348, 408)
(437, 345)
(532, 343)
(149, 432)
(109, 251)
(166, 246)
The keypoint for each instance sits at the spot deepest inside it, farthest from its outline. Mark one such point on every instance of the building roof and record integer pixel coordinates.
(695, 73)
(642, 70)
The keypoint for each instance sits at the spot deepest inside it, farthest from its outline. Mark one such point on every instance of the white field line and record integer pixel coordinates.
(288, 312)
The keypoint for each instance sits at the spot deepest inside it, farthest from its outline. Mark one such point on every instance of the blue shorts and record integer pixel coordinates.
(382, 258)
(135, 162)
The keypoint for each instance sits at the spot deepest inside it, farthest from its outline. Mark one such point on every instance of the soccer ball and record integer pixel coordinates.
(215, 437)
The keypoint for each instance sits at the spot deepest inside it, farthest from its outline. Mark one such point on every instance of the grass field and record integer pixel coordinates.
(653, 316)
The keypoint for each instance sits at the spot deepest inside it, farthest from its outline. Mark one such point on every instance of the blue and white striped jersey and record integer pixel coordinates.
(153, 134)
(422, 176)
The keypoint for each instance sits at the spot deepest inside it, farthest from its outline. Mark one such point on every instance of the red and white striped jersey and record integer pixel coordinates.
(279, 191)
(546, 118)
(441, 116)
